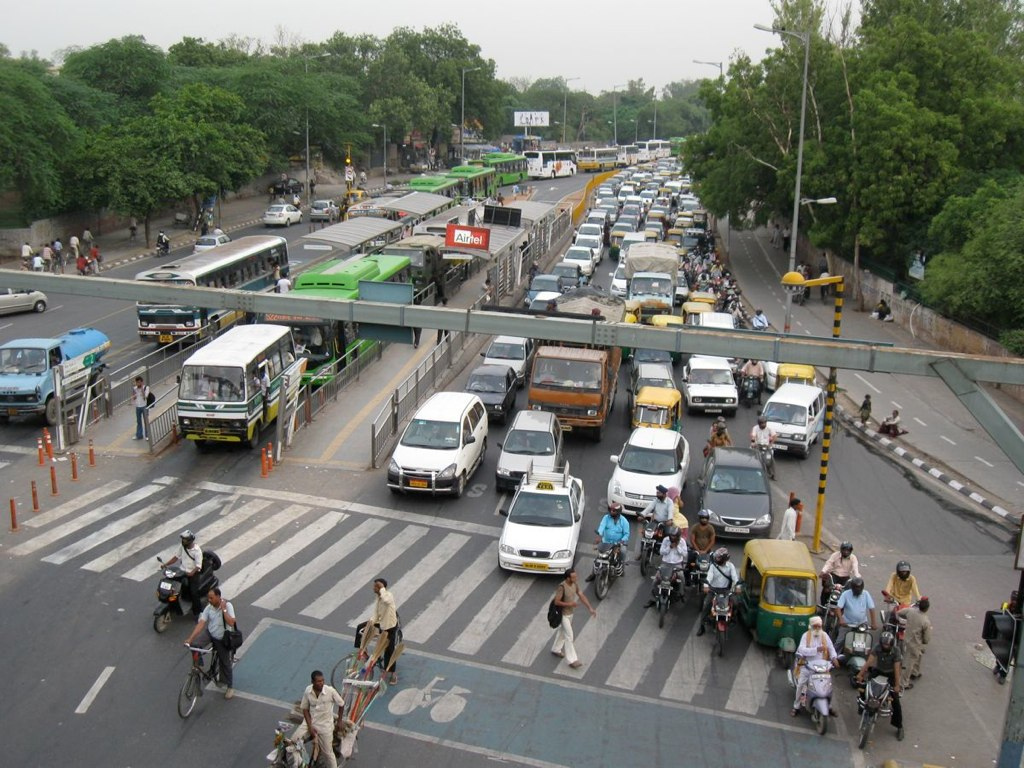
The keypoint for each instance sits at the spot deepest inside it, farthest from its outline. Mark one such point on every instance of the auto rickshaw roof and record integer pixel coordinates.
(776, 555)
(661, 397)
(796, 371)
(664, 321)
(705, 296)
(696, 307)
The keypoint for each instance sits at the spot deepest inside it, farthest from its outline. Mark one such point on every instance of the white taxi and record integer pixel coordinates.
(542, 526)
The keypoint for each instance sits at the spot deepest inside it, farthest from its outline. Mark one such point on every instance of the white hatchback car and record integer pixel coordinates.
(21, 301)
(649, 458)
(581, 257)
(206, 242)
(282, 215)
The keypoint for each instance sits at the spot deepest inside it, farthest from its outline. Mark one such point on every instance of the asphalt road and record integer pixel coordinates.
(302, 547)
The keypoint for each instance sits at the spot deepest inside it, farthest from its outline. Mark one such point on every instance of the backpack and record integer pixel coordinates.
(150, 398)
(555, 610)
(211, 557)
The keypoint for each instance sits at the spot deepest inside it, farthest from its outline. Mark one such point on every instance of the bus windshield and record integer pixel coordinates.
(212, 382)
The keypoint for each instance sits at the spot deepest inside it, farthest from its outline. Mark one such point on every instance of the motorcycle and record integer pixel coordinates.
(893, 622)
(720, 617)
(163, 248)
(767, 454)
(828, 606)
(856, 648)
(697, 572)
(668, 583)
(651, 535)
(607, 567)
(750, 390)
(874, 703)
(171, 590)
(817, 697)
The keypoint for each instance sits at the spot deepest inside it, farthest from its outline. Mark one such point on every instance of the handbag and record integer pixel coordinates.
(233, 637)
(555, 611)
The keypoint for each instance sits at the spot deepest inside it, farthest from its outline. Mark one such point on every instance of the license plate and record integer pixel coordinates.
(12, 411)
(567, 427)
(211, 431)
(166, 338)
(734, 529)
(536, 566)
(417, 483)
(166, 585)
(781, 447)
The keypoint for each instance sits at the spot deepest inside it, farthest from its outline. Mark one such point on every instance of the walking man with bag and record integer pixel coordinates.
(566, 598)
(214, 622)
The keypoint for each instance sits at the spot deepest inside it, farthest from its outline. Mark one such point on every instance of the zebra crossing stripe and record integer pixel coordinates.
(79, 502)
(360, 578)
(230, 518)
(532, 640)
(82, 521)
(410, 582)
(641, 652)
(749, 691)
(262, 531)
(280, 554)
(455, 593)
(116, 528)
(610, 611)
(487, 620)
(161, 534)
(687, 678)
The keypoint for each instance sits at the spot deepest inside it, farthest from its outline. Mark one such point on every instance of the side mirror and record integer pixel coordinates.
(614, 458)
(503, 512)
(499, 445)
(177, 379)
(470, 439)
(483, 354)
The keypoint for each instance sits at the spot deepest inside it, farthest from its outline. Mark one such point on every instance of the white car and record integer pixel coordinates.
(620, 287)
(12, 301)
(650, 457)
(539, 303)
(512, 352)
(594, 244)
(282, 215)
(590, 230)
(709, 386)
(581, 257)
(543, 523)
(206, 242)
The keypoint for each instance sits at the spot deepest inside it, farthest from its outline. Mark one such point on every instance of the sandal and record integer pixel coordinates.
(394, 679)
(794, 712)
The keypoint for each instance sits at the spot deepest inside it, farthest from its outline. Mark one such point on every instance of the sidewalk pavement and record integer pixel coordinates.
(944, 440)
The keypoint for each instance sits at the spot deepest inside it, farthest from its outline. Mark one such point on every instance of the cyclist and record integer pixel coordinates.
(213, 622)
(612, 533)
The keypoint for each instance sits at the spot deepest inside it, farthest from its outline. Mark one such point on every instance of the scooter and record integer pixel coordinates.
(171, 592)
(817, 696)
(856, 647)
(668, 589)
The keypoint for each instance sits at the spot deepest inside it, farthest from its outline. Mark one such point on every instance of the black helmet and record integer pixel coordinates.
(721, 555)
(887, 640)
(187, 537)
(856, 584)
(903, 569)
(703, 515)
(846, 548)
(614, 508)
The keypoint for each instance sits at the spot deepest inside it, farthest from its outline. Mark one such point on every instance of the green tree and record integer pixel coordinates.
(130, 68)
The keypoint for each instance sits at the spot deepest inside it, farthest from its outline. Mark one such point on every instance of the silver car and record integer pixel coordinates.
(12, 301)
(282, 215)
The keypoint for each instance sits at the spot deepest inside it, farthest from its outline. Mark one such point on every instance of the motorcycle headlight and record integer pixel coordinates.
(447, 473)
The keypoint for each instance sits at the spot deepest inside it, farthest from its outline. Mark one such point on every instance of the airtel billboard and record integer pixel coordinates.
(462, 236)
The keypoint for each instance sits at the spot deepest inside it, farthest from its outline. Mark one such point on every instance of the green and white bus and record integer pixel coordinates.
(435, 185)
(233, 387)
(474, 181)
(509, 167)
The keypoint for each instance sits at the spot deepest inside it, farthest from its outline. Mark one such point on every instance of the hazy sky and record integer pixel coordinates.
(605, 44)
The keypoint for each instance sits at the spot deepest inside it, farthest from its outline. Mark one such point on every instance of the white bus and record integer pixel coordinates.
(597, 158)
(629, 154)
(549, 163)
(245, 264)
(654, 149)
(234, 386)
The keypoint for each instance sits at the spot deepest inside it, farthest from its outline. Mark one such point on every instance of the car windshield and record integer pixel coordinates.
(652, 416)
(529, 442)
(620, 272)
(22, 360)
(577, 254)
(790, 591)
(485, 383)
(585, 241)
(592, 230)
(570, 374)
(502, 350)
(651, 356)
(648, 461)
(786, 413)
(440, 435)
(212, 382)
(566, 270)
(706, 376)
(320, 204)
(276, 209)
(738, 480)
(545, 283)
(542, 509)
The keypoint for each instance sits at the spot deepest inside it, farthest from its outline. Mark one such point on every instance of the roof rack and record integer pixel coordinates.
(562, 478)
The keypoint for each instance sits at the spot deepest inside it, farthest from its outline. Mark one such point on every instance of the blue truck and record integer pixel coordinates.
(27, 367)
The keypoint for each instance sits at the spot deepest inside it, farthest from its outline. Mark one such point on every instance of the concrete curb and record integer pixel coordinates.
(153, 252)
(894, 447)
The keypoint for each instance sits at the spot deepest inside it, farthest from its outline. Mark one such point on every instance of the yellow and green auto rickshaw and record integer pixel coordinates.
(796, 373)
(692, 310)
(780, 593)
(673, 322)
(706, 297)
(658, 407)
(615, 242)
(675, 237)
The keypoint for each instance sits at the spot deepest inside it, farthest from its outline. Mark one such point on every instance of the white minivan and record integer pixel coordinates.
(709, 386)
(796, 413)
(442, 447)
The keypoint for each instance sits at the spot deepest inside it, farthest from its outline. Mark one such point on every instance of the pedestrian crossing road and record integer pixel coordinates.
(311, 560)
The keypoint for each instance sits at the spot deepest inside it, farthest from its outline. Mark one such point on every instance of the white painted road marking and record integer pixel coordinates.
(867, 383)
(452, 596)
(986, 463)
(686, 679)
(749, 691)
(75, 504)
(951, 442)
(93, 692)
(920, 422)
(487, 620)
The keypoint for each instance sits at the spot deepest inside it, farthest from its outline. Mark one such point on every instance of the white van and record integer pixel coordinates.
(717, 320)
(796, 413)
(532, 444)
(709, 386)
(442, 447)
(628, 241)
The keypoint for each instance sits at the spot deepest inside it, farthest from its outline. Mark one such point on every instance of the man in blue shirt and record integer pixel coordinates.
(855, 607)
(612, 532)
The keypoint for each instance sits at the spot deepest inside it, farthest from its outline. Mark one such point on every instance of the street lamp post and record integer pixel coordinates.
(615, 113)
(305, 61)
(377, 125)
(805, 38)
(721, 73)
(462, 123)
(565, 104)
(793, 282)
(655, 120)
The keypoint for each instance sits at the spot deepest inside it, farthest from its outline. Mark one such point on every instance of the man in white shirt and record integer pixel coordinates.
(814, 644)
(284, 285)
(760, 322)
(213, 622)
(317, 706)
(385, 620)
(191, 558)
(787, 532)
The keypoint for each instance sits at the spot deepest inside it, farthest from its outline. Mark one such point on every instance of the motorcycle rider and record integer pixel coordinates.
(658, 512)
(814, 645)
(163, 243)
(840, 567)
(902, 586)
(612, 532)
(760, 321)
(885, 659)
(673, 552)
(722, 577)
(191, 558)
(702, 537)
(755, 369)
(763, 435)
(855, 607)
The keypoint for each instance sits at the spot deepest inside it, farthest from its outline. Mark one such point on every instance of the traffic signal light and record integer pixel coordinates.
(1001, 631)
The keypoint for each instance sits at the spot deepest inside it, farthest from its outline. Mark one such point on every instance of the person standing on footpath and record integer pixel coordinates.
(385, 621)
(87, 240)
(26, 255)
(787, 532)
(566, 598)
(140, 396)
(317, 707)
(918, 634)
(211, 627)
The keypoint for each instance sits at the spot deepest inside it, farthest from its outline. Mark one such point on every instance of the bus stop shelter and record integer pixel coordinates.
(357, 235)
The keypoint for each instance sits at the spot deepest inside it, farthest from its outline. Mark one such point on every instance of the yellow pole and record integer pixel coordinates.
(826, 438)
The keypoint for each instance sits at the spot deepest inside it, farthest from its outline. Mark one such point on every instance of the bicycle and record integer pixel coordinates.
(192, 688)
